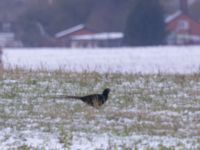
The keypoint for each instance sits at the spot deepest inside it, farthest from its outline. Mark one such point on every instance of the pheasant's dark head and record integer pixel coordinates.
(106, 92)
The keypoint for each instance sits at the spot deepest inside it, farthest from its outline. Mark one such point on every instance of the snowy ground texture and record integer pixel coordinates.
(145, 60)
(145, 111)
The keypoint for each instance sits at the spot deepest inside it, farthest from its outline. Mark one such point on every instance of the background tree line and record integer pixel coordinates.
(43, 18)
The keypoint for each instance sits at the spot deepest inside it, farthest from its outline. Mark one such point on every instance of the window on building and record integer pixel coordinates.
(183, 24)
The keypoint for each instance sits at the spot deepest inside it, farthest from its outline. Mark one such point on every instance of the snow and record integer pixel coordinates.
(183, 59)
(30, 138)
(99, 36)
(82, 141)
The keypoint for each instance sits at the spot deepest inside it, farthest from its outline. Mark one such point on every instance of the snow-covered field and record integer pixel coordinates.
(144, 111)
(144, 60)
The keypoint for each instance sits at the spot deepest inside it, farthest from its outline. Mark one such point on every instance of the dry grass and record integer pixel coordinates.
(155, 105)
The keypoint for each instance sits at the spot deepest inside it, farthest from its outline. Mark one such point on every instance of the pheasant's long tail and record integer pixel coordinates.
(63, 97)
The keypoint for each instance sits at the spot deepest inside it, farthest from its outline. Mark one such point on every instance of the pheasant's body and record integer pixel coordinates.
(95, 100)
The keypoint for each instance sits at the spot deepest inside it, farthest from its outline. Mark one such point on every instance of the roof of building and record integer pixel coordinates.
(99, 36)
(70, 30)
(189, 37)
(170, 18)
(173, 16)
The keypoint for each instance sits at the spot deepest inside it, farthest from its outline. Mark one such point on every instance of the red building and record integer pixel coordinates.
(81, 36)
(182, 29)
(64, 38)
